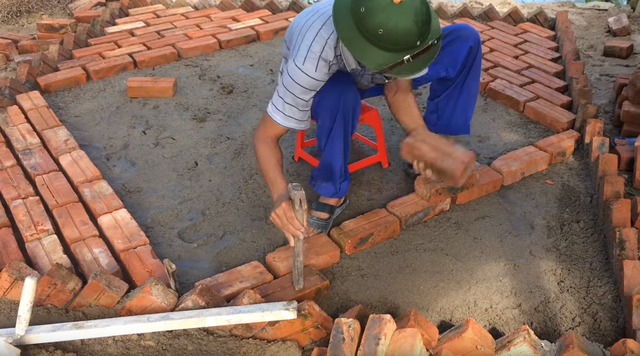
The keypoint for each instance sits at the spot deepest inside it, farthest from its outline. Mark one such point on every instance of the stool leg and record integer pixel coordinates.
(382, 146)
(299, 143)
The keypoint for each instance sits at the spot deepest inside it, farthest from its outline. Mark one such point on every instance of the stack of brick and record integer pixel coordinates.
(154, 35)
(627, 112)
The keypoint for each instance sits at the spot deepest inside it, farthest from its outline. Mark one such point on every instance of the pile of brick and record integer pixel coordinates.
(70, 225)
(619, 27)
(104, 39)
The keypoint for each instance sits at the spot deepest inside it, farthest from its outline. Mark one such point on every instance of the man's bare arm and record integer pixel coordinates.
(266, 142)
(402, 102)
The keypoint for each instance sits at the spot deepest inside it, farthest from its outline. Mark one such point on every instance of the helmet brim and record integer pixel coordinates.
(374, 58)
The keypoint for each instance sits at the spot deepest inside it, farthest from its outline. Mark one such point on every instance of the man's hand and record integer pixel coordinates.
(285, 219)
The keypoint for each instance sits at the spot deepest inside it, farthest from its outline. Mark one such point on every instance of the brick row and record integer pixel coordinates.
(521, 163)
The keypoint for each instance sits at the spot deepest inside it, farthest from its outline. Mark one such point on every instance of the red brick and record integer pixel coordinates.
(504, 37)
(11, 116)
(30, 101)
(506, 28)
(58, 287)
(191, 22)
(95, 49)
(550, 95)
(79, 168)
(488, 182)
(22, 137)
(16, 37)
(138, 40)
(624, 246)
(625, 347)
(124, 51)
(31, 46)
(571, 344)
(617, 213)
(142, 263)
(55, 190)
(377, 335)
(630, 278)
(130, 19)
(542, 64)
(200, 297)
(179, 31)
(146, 9)
(405, 342)
(151, 87)
(206, 32)
(519, 342)
(622, 80)
(93, 254)
(74, 223)
(8, 48)
(635, 210)
(64, 79)
(467, 338)
(319, 251)
(594, 128)
(545, 79)
(626, 157)
(365, 231)
(271, 30)
(247, 297)
(150, 298)
(112, 66)
(156, 57)
(128, 27)
(166, 41)
(14, 185)
(537, 30)
(539, 51)
(630, 112)
(37, 162)
(44, 253)
(506, 62)
(463, 11)
(486, 65)
(174, 11)
(520, 163)
(12, 279)
(475, 24)
(79, 62)
(485, 79)
(610, 187)
(196, 47)
(202, 13)
(509, 76)
(7, 160)
(31, 219)
(618, 49)
(252, 15)
(540, 41)
(630, 129)
(504, 48)
(412, 209)
(509, 95)
(102, 290)
(100, 198)
(9, 250)
(230, 283)
(606, 164)
(310, 317)
(153, 29)
(227, 14)
(237, 38)
(122, 231)
(281, 289)
(345, 337)
(43, 118)
(278, 17)
(164, 20)
(59, 141)
(106, 43)
(619, 25)
(61, 26)
(427, 330)
(549, 115)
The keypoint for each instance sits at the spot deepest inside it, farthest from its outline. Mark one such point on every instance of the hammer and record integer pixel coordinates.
(299, 204)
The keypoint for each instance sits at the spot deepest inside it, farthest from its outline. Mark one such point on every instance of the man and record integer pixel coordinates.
(338, 52)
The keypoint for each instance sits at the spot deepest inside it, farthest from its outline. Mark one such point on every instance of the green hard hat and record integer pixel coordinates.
(396, 37)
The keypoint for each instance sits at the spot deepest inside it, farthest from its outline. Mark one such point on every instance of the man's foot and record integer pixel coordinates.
(323, 212)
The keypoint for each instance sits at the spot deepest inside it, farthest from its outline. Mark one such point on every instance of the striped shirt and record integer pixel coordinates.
(311, 54)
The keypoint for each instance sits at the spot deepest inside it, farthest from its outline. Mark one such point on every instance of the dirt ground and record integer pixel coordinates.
(531, 254)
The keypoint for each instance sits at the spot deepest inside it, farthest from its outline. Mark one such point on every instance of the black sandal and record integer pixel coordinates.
(324, 225)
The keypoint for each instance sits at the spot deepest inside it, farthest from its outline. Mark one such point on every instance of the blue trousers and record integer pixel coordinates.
(455, 79)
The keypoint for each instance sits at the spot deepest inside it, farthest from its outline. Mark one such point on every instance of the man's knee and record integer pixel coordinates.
(341, 87)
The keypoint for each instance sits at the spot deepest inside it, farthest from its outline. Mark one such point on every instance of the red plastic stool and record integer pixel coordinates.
(369, 115)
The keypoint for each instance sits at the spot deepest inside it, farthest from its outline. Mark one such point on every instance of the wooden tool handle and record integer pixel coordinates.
(299, 204)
